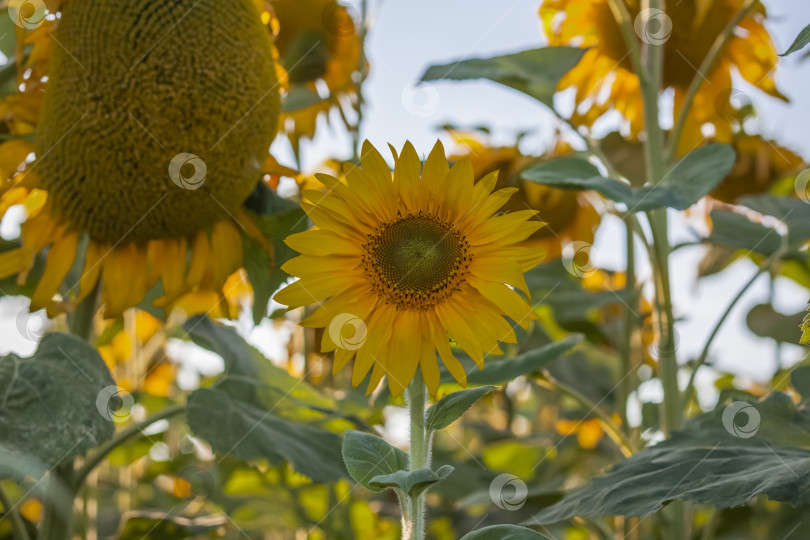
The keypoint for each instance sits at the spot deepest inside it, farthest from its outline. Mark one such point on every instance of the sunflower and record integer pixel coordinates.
(568, 215)
(406, 262)
(146, 144)
(318, 41)
(604, 78)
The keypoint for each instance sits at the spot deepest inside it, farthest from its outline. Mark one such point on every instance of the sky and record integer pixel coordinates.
(408, 36)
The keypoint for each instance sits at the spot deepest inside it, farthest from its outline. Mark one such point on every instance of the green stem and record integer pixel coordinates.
(419, 453)
(630, 323)
(613, 430)
(703, 72)
(80, 322)
(704, 354)
(11, 511)
(361, 78)
(57, 523)
(133, 430)
(650, 79)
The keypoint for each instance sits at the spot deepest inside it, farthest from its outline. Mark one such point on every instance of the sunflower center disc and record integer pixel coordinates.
(157, 116)
(415, 261)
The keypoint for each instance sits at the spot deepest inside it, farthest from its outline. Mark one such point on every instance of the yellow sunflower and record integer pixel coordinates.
(318, 41)
(407, 260)
(604, 78)
(568, 215)
(146, 144)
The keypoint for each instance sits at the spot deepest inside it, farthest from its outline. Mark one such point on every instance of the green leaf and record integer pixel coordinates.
(691, 179)
(48, 402)
(157, 524)
(368, 456)
(450, 408)
(277, 218)
(247, 431)
(300, 97)
(723, 459)
(764, 321)
(414, 483)
(497, 372)
(794, 213)
(805, 339)
(245, 366)
(800, 379)
(535, 72)
(504, 532)
(801, 40)
(736, 230)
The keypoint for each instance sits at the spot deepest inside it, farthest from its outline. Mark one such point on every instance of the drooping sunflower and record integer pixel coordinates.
(408, 259)
(145, 145)
(318, 41)
(604, 78)
(569, 215)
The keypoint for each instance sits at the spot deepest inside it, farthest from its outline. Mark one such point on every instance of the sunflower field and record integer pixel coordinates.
(417, 270)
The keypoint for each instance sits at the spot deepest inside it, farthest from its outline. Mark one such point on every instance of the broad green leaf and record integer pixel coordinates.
(368, 456)
(764, 321)
(504, 532)
(801, 40)
(247, 431)
(722, 459)
(300, 97)
(277, 218)
(737, 231)
(535, 72)
(243, 362)
(501, 371)
(49, 403)
(414, 482)
(800, 379)
(794, 213)
(691, 179)
(450, 408)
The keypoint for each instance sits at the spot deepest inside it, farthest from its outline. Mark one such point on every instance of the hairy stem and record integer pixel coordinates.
(419, 454)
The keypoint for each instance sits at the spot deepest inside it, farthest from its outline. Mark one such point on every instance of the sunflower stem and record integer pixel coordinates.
(419, 453)
(80, 322)
(650, 80)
